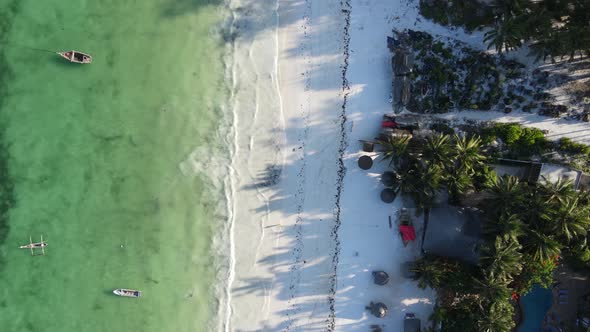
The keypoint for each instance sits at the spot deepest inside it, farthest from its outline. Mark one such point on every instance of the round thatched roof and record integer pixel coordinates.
(378, 309)
(380, 277)
(365, 162)
(388, 195)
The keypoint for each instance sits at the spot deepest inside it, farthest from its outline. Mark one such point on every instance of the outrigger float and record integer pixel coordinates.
(127, 292)
(35, 245)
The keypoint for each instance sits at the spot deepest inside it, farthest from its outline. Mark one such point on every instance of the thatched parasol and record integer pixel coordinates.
(365, 162)
(388, 195)
(380, 277)
(378, 309)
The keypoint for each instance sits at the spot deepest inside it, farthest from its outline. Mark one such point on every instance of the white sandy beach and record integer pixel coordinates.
(308, 226)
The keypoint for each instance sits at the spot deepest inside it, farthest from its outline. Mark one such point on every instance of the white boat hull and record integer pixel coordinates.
(127, 292)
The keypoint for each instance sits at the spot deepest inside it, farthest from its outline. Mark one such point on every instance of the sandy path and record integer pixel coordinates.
(288, 139)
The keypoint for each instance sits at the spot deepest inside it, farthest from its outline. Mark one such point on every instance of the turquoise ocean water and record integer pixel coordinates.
(90, 160)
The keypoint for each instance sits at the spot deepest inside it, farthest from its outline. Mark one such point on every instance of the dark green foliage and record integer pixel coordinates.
(569, 146)
(450, 75)
(555, 28)
(522, 142)
(469, 14)
(442, 128)
(528, 227)
(435, 272)
(393, 148)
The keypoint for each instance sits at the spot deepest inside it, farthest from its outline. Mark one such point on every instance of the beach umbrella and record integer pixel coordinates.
(388, 195)
(365, 162)
(378, 309)
(380, 277)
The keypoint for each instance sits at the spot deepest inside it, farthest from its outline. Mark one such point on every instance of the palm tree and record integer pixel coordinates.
(510, 8)
(540, 246)
(507, 193)
(491, 289)
(420, 181)
(458, 183)
(507, 34)
(393, 147)
(553, 191)
(467, 153)
(430, 272)
(506, 225)
(570, 219)
(498, 318)
(437, 150)
(503, 261)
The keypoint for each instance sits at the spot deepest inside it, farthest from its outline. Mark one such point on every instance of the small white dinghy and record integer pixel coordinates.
(127, 292)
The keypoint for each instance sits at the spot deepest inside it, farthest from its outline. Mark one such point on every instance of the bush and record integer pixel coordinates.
(442, 128)
(569, 146)
(535, 272)
(509, 133)
(522, 142)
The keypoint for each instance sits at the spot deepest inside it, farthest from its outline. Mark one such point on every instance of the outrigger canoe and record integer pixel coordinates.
(127, 292)
(35, 245)
(76, 57)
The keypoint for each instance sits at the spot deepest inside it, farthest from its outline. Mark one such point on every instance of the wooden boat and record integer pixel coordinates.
(35, 245)
(76, 57)
(127, 292)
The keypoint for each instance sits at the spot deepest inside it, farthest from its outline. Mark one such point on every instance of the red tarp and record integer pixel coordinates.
(408, 233)
(388, 124)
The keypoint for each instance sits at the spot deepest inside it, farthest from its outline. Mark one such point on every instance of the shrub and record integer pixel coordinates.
(535, 272)
(509, 133)
(522, 142)
(442, 128)
(569, 146)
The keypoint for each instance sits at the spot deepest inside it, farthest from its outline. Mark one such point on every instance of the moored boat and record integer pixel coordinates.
(35, 245)
(76, 57)
(127, 292)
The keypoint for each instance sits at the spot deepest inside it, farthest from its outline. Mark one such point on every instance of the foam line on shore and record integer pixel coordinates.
(230, 191)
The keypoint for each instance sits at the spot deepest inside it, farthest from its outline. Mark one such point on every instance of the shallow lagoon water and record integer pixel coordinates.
(94, 154)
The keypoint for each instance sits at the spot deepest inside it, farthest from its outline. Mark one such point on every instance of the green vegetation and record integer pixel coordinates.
(567, 145)
(451, 76)
(521, 142)
(554, 28)
(469, 14)
(441, 162)
(528, 227)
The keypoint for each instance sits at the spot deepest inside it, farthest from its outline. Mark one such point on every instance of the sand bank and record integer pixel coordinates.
(310, 79)
(287, 107)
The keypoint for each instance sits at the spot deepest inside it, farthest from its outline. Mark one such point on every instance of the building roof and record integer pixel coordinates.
(528, 171)
(411, 325)
(402, 62)
(453, 232)
(401, 90)
(534, 172)
(552, 173)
